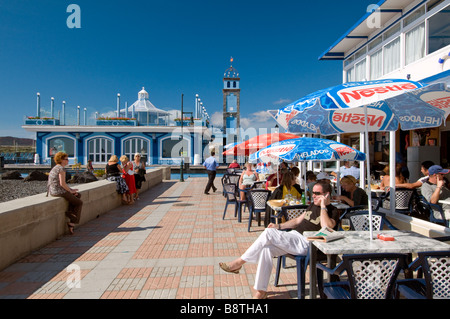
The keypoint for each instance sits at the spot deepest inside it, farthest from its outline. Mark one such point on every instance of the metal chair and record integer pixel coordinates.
(435, 266)
(301, 261)
(370, 276)
(257, 204)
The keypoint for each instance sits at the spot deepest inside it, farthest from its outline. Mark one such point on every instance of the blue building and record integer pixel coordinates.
(140, 127)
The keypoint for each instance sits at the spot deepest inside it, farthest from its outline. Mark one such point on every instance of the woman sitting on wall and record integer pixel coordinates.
(114, 174)
(128, 174)
(57, 187)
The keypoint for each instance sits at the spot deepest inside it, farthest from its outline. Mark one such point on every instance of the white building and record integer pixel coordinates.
(406, 39)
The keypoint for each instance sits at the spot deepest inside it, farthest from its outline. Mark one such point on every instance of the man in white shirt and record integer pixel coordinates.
(424, 170)
(348, 169)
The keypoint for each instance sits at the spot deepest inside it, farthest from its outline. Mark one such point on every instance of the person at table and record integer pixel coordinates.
(274, 242)
(248, 177)
(288, 186)
(435, 190)
(274, 179)
(234, 165)
(347, 169)
(399, 178)
(352, 194)
(424, 170)
(399, 160)
(322, 176)
(298, 179)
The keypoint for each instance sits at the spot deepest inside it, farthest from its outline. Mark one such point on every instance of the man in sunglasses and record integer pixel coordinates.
(275, 242)
(435, 189)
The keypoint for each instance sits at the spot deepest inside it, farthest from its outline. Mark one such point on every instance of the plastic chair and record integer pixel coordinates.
(359, 220)
(403, 200)
(259, 185)
(229, 179)
(370, 276)
(436, 283)
(257, 204)
(230, 195)
(431, 209)
(301, 261)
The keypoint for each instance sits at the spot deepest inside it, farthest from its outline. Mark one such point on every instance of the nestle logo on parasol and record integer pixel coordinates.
(356, 94)
(342, 150)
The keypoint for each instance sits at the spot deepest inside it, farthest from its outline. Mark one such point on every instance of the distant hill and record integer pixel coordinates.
(10, 141)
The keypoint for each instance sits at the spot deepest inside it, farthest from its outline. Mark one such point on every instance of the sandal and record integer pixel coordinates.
(71, 228)
(226, 268)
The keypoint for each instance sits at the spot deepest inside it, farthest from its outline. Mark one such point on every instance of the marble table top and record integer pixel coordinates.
(358, 242)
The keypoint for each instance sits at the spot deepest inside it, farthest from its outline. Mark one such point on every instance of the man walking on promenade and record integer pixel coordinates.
(211, 165)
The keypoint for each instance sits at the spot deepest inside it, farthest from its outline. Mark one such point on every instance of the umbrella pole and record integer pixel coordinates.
(367, 148)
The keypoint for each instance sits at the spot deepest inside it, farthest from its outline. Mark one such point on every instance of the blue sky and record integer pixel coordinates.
(170, 48)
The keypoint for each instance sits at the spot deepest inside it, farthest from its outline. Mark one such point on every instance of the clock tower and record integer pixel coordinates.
(231, 104)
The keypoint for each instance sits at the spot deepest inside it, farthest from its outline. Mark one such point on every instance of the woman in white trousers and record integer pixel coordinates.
(273, 242)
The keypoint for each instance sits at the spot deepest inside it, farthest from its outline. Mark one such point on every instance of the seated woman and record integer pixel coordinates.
(288, 186)
(247, 178)
(352, 195)
(57, 187)
(114, 174)
(399, 178)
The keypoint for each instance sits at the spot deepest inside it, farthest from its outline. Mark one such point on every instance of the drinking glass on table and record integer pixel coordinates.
(345, 224)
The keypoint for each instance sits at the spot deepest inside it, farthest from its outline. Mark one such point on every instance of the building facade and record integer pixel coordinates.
(403, 39)
(139, 128)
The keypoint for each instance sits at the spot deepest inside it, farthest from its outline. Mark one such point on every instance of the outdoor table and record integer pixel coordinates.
(378, 191)
(358, 242)
(339, 205)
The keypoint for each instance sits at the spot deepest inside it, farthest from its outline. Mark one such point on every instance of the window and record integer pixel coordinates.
(393, 30)
(374, 43)
(413, 16)
(391, 56)
(360, 71)
(439, 30)
(100, 150)
(349, 60)
(415, 44)
(61, 144)
(351, 75)
(376, 65)
(135, 145)
(228, 84)
(234, 84)
(360, 53)
(172, 148)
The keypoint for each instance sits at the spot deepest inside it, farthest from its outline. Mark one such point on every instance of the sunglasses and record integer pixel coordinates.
(317, 193)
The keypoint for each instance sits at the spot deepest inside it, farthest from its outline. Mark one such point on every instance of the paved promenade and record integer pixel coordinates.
(166, 246)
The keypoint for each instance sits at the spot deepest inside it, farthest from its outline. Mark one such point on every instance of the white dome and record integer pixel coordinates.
(143, 94)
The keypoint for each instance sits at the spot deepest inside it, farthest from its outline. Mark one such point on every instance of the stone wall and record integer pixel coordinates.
(29, 223)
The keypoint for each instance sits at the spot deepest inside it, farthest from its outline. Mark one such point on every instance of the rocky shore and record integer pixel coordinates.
(14, 189)
(11, 189)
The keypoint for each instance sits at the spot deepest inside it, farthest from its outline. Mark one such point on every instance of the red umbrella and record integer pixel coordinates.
(256, 143)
